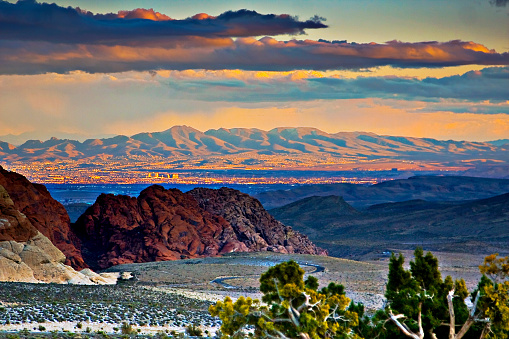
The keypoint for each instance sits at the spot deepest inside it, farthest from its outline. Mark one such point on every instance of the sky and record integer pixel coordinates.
(92, 68)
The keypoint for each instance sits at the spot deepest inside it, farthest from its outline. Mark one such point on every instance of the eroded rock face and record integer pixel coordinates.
(13, 226)
(252, 224)
(26, 255)
(158, 225)
(46, 214)
(167, 224)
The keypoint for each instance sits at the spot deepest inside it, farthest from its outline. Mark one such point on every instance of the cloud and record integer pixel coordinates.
(499, 3)
(39, 38)
(19, 57)
(32, 21)
(486, 89)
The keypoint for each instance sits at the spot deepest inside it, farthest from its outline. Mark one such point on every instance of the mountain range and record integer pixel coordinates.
(184, 141)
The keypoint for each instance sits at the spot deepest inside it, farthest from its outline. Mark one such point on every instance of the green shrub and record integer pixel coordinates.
(194, 330)
(126, 328)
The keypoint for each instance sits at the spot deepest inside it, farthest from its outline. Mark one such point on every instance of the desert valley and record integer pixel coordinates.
(158, 260)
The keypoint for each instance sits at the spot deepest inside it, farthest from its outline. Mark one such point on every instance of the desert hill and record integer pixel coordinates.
(478, 226)
(187, 141)
(252, 224)
(431, 188)
(315, 213)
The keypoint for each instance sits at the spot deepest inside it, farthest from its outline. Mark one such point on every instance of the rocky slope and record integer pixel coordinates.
(46, 214)
(165, 224)
(252, 224)
(26, 255)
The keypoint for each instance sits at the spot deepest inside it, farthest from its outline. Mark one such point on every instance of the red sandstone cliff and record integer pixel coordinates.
(46, 214)
(253, 225)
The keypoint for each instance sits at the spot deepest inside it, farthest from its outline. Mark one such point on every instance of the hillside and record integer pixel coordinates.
(478, 226)
(46, 214)
(431, 188)
(163, 224)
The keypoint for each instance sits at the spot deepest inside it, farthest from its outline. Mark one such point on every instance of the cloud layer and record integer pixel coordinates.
(32, 21)
(244, 53)
(482, 92)
(39, 38)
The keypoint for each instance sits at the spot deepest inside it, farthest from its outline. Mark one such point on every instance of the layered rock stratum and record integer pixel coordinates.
(163, 224)
(26, 255)
(47, 215)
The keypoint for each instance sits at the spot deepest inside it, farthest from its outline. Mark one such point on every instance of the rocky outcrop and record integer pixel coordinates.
(166, 224)
(13, 226)
(252, 224)
(26, 255)
(46, 214)
(158, 225)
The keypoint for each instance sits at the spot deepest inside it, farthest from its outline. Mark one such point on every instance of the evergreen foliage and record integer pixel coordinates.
(293, 308)
(420, 305)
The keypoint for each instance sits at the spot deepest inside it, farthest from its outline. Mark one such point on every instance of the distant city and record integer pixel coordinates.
(201, 171)
(127, 171)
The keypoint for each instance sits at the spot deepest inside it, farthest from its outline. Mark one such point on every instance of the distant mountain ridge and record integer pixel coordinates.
(431, 188)
(186, 141)
(476, 226)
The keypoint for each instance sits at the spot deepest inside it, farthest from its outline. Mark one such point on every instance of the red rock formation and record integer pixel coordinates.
(13, 225)
(45, 213)
(253, 225)
(158, 225)
(167, 224)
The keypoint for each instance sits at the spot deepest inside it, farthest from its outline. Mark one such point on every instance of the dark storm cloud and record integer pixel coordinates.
(32, 21)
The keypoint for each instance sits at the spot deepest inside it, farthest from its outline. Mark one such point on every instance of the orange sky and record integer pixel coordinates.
(212, 65)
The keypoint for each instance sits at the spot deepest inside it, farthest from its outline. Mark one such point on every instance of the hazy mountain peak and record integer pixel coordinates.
(183, 129)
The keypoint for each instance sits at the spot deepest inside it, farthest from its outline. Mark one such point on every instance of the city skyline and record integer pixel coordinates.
(435, 69)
